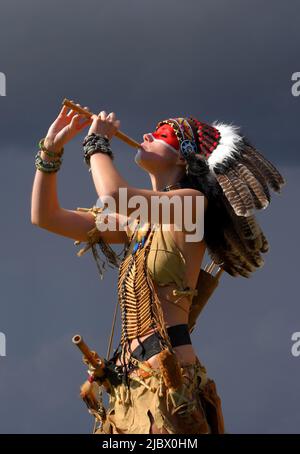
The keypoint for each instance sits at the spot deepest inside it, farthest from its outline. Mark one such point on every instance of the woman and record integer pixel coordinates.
(156, 382)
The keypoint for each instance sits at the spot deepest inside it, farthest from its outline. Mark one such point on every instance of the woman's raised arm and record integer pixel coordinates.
(45, 208)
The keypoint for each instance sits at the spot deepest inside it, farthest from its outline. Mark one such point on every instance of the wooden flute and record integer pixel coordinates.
(79, 342)
(88, 114)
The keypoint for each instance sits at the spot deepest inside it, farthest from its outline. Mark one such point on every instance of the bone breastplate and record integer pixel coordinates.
(140, 308)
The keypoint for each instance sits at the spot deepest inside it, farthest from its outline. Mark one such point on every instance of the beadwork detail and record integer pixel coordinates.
(204, 141)
(140, 308)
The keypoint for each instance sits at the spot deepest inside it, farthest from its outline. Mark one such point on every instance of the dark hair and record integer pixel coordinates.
(216, 218)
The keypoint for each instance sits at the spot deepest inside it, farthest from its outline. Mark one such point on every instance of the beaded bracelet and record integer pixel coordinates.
(95, 143)
(49, 153)
(91, 378)
(47, 166)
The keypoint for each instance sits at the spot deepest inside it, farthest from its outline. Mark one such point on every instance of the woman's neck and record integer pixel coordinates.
(165, 184)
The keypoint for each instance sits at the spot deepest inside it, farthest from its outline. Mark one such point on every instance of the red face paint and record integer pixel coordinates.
(167, 134)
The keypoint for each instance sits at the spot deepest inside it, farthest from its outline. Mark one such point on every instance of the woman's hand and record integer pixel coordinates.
(105, 125)
(89, 392)
(66, 126)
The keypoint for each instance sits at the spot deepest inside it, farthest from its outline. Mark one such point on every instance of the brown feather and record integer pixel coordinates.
(260, 201)
(242, 189)
(272, 176)
(279, 177)
(231, 194)
(265, 244)
(258, 175)
(235, 258)
(252, 257)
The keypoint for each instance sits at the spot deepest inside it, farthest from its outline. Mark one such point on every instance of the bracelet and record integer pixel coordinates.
(47, 166)
(91, 378)
(95, 143)
(49, 153)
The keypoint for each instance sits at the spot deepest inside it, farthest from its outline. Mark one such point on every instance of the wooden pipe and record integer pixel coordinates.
(96, 362)
(88, 114)
(79, 342)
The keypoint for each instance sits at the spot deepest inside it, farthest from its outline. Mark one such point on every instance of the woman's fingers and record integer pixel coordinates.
(86, 119)
(74, 121)
(111, 117)
(63, 111)
(79, 121)
(84, 124)
(87, 109)
(72, 112)
(104, 124)
(102, 115)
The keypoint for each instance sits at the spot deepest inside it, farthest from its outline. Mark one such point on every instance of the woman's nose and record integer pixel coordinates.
(148, 137)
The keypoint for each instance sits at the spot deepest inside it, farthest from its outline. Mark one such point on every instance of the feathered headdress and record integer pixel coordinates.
(236, 178)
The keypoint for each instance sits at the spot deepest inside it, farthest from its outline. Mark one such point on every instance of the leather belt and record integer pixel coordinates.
(179, 335)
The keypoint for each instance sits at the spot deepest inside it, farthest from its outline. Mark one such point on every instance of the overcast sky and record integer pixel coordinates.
(230, 61)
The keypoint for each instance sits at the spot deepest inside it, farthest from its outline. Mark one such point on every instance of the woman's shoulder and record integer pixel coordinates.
(194, 193)
(198, 193)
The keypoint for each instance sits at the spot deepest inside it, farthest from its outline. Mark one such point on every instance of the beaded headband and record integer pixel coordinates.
(194, 136)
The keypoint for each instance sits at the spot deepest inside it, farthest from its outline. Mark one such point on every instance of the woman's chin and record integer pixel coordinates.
(147, 160)
(141, 156)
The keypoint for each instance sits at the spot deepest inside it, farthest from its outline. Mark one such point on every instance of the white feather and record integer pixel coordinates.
(227, 146)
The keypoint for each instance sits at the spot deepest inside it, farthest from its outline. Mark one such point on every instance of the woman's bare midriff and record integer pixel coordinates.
(173, 316)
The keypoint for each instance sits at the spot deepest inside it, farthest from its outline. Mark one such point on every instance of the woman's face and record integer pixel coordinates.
(161, 145)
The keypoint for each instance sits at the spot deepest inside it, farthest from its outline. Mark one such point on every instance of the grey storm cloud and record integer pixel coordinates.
(229, 61)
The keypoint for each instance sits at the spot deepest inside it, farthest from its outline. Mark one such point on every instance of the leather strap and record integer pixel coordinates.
(179, 335)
